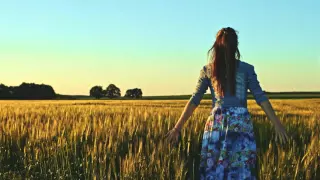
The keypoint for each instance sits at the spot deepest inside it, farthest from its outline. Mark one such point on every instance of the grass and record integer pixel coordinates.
(115, 139)
(271, 95)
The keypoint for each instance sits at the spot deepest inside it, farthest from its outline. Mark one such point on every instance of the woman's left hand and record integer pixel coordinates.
(173, 135)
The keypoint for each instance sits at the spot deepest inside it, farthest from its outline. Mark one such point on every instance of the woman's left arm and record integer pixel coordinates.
(194, 101)
(173, 134)
(187, 112)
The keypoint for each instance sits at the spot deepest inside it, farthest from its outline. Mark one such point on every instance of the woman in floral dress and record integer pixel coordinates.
(228, 145)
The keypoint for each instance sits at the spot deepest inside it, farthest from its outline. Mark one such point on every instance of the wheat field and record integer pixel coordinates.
(114, 139)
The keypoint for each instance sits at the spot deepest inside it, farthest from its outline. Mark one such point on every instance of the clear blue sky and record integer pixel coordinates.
(159, 46)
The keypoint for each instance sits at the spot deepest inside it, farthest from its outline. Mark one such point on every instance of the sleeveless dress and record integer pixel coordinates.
(228, 149)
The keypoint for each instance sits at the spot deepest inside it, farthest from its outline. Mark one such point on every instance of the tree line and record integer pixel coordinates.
(42, 91)
(27, 91)
(112, 91)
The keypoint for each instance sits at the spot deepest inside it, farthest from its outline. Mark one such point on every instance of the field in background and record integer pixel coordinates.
(271, 95)
(105, 139)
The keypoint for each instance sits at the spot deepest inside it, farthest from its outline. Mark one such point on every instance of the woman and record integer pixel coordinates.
(228, 145)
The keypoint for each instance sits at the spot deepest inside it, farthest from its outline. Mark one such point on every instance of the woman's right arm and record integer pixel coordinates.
(263, 101)
(267, 108)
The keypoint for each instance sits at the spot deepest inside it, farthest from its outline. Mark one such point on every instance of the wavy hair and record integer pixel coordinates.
(223, 60)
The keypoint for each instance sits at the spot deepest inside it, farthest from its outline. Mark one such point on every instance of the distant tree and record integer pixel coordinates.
(133, 93)
(104, 92)
(96, 92)
(112, 91)
(27, 91)
(34, 91)
(4, 92)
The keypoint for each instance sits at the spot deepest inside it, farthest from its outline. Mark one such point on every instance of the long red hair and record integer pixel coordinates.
(224, 55)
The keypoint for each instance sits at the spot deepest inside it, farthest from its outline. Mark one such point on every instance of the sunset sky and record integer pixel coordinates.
(158, 46)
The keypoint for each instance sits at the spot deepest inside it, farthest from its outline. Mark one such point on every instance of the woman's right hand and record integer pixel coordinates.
(281, 134)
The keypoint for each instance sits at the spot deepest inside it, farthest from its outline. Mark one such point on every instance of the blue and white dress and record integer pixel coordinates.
(228, 145)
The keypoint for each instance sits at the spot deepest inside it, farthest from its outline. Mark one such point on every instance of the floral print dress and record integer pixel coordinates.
(228, 146)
